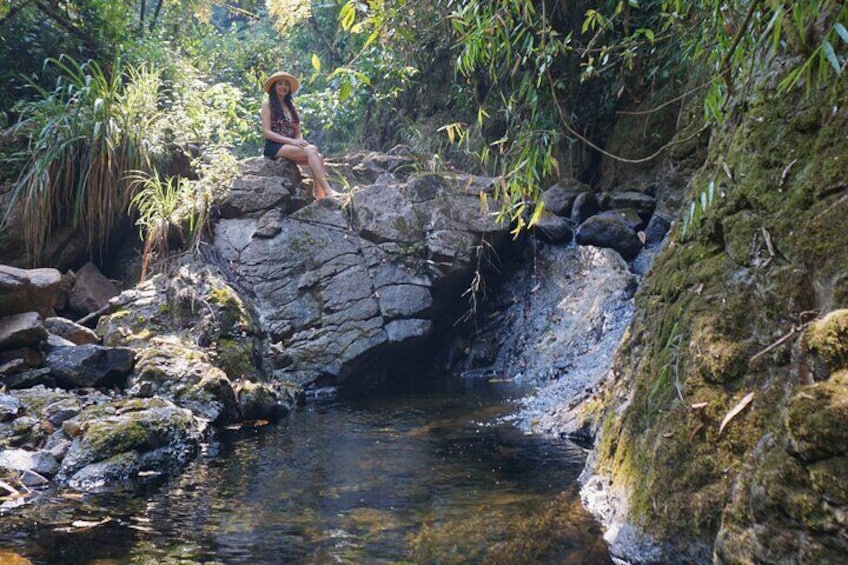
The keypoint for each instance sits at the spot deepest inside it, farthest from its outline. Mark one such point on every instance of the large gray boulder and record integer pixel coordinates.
(335, 284)
(22, 330)
(89, 365)
(26, 290)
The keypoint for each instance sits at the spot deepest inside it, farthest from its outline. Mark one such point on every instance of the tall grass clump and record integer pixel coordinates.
(82, 138)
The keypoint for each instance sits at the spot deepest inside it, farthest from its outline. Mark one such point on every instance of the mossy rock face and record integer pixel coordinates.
(716, 358)
(185, 376)
(828, 338)
(817, 420)
(129, 429)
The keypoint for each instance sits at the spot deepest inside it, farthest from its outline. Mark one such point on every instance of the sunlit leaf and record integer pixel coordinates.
(316, 62)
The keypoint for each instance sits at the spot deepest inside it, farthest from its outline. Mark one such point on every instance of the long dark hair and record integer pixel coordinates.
(277, 109)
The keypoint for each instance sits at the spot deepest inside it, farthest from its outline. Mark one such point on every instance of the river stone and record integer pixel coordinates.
(559, 198)
(71, 331)
(630, 216)
(585, 205)
(10, 407)
(41, 462)
(33, 358)
(612, 232)
(261, 401)
(23, 290)
(22, 330)
(643, 203)
(91, 291)
(13, 367)
(89, 365)
(121, 439)
(184, 376)
(656, 230)
(553, 228)
(30, 379)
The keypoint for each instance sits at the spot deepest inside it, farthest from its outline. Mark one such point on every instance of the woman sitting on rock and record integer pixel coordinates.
(281, 128)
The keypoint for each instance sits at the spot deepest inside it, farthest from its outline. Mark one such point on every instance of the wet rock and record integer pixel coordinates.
(40, 462)
(629, 215)
(32, 358)
(10, 407)
(657, 229)
(187, 378)
(554, 229)
(29, 379)
(71, 331)
(559, 198)
(22, 330)
(585, 205)
(642, 203)
(23, 290)
(610, 231)
(13, 367)
(121, 439)
(260, 401)
(91, 291)
(90, 365)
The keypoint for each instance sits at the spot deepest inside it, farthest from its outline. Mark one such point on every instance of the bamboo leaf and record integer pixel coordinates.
(841, 31)
(830, 54)
(736, 410)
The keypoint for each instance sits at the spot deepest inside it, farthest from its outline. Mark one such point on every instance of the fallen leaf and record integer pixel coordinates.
(736, 410)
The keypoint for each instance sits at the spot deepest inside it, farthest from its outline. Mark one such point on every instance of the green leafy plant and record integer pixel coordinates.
(82, 136)
(695, 213)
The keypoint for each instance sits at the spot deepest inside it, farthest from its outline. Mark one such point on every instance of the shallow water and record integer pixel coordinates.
(431, 475)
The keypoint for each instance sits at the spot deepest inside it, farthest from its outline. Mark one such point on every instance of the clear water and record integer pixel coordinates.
(424, 476)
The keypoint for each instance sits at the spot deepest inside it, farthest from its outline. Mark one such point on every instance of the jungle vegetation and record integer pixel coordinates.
(99, 99)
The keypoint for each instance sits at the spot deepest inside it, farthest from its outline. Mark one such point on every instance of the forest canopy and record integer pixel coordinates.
(525, 90)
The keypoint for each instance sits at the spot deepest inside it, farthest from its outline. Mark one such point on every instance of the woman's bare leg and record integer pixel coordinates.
(311, 156)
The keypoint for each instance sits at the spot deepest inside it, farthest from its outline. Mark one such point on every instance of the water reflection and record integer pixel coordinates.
(422, 477)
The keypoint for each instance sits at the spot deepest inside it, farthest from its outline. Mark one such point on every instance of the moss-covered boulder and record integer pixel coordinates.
(817, 420)
(118, 441)
(185, 376)
(828, 338)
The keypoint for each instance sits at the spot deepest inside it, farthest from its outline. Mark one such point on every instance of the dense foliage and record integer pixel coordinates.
(523, 89)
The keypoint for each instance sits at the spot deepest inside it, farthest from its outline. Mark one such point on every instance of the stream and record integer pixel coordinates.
(426, 472)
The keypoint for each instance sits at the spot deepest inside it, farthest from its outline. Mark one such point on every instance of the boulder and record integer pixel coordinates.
(40, 462)
(345, 282)
(29, 379)
(71, 331)
(559, 198)
(609, 231)
(119, 440)
(22, 330)
(26, 290)
(644, 204)
(553, 228)
(585, 205)
(261, 401)
(91, 291)
(90, 365)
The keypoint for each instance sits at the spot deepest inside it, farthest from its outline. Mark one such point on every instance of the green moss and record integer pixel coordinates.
(817, 419)
(138, 426)
(828, 338)
(235, 358)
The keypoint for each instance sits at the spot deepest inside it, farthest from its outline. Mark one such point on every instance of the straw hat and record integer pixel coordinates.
(269, 82)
